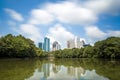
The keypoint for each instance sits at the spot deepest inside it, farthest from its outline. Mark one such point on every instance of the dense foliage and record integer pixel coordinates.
(18, 46)
(109, 48)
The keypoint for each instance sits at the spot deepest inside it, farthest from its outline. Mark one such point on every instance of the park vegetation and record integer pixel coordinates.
(108, 48)
(21, 47)
(18, 47)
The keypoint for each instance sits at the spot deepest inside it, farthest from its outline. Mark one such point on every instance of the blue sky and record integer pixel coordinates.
(60, 20)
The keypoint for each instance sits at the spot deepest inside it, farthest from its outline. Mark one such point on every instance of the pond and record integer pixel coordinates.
(59, 69)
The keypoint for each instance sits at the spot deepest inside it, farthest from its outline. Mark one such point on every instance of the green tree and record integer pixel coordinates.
(18, 46)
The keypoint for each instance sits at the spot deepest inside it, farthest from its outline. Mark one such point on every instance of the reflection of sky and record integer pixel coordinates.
(61, 75)
(92, 75)
(36, 76)
(65, 73)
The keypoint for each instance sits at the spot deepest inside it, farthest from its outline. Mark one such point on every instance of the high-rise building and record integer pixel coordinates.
(56, 46)
(75, 43)
(46, 45)
(40, 45)
(70, 44)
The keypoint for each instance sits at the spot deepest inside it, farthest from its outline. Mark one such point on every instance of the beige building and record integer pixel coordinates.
(75, 43)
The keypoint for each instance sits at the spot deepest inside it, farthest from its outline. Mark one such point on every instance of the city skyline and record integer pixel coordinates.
(60, 20)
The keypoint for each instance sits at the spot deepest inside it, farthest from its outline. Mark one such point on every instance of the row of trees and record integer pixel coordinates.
(18, 46)
(109, 48)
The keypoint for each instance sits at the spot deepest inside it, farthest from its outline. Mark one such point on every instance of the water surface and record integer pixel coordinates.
(59, 69)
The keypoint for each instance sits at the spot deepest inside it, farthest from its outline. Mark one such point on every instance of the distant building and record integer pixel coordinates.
(85, 45)
(56, 46)
(70, 44)
(75, 43)
(40, 45)
(45, 45)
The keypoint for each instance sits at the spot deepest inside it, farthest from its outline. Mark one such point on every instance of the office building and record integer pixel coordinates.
(56, 46)
(40, 45)
(70, 44)
(75, 43)
(46, 45)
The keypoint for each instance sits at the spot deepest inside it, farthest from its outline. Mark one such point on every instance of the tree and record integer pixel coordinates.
(18, 46)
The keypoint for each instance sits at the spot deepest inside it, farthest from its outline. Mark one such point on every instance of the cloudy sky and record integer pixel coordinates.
(60, 20)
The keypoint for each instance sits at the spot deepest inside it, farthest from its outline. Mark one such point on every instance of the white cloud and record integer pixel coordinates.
(15, 15)
(72, 13)
(114, 33)
(102, 6)
(60, 34)
(94, 32)
(39, 16)
(31, 32)
(68, 12)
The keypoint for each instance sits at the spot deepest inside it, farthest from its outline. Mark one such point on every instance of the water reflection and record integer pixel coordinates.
(92, 75)
(59, 69)
(54, 72)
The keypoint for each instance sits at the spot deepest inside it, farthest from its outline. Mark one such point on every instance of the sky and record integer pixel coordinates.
(60, 20)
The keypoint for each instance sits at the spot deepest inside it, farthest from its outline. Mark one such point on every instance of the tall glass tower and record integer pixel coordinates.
(46, 45)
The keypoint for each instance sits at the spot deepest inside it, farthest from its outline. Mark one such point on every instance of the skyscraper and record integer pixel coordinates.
(75, 43)
(56, 46)
(46, 45)
(71, 44)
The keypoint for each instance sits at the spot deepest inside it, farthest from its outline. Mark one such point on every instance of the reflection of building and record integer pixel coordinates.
(76, 72)
(55, 68)
(56, 46)
(75, 43)
(46, 70)
(46, 45)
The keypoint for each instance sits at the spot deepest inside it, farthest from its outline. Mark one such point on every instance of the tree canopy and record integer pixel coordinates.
(18, 46)
(108, 48)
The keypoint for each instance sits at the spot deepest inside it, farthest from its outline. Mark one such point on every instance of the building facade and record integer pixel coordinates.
(56, 46)
(45, 45)
(75, 43)
(70, 44)
(40, 45)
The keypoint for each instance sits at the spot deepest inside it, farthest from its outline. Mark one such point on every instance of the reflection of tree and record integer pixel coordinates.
(23, 69)
(105, 68)
(16, 69)
(92, 75)
(110, 69)
(39, 64)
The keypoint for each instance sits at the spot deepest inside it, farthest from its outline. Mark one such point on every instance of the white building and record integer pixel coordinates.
(75, 43)
(56, 46)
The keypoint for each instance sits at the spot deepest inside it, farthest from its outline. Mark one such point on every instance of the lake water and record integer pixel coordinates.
(59, 69)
